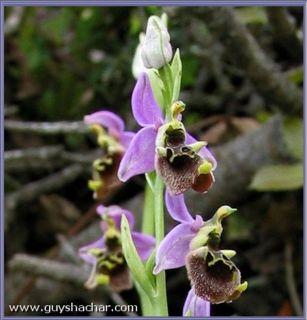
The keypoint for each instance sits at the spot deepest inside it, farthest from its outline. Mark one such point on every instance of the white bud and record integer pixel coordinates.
(156, 49)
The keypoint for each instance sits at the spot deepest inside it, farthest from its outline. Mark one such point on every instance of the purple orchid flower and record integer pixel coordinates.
(113, 123)
(114, 143)
(105, 254)
(194, 244)
(176, 160)
(175, 246)
(195, 306)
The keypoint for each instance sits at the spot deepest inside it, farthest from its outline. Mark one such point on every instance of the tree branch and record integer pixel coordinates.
(45, 157)
(245, 52)
(34, 189)
(285, 32)
(47, 128)
(58, 271)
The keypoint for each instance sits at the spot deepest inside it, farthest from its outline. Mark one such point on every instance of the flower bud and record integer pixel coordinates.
(137, 63)
(156, 49)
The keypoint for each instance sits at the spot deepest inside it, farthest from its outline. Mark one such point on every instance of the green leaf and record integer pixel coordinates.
(133, 260)
(176, 68)
(296, 75)
(278, 178)
(293, 136)
(150, 263)
(151, 178)
(157, 86)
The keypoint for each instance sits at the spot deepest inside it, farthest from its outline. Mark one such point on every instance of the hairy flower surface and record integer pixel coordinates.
(105, 255)
(164, 145)
(114, 141)
(194, 244)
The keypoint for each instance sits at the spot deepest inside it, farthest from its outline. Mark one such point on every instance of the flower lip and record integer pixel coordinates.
(214, 276)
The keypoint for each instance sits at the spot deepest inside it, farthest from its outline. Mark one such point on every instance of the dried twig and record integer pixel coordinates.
(47, 157)
(59, 271)
(47, 128)
(42, 157)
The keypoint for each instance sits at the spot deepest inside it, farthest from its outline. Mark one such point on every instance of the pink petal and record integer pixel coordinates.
(86, 256)
(174, 247)
(115, 212)
(107, 119)
(140, 155)
(204, 152)
(126, 138)
(177, 208)
(144, 106)
(195, 306)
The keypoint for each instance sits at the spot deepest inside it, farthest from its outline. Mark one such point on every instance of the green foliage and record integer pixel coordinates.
(190, 70)
(134, 262)
(176, 68)
(293, 135)
(238, 228)
(278, 178)
(296, 75)
(252, 15)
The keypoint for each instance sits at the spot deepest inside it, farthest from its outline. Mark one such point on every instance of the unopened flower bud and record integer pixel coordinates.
(156, 49)
(137, 63)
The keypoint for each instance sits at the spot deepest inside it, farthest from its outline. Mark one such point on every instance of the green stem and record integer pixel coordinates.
(148, 211)
(145, 301)
(160, 299)
(148, 228)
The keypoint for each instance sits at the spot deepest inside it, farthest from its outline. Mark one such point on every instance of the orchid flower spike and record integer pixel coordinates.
(164, 145)
(194, 243)
(105, 255)
(114, 140)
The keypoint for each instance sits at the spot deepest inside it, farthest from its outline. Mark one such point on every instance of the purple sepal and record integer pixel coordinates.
(144, 106)
(174, 247)
(115, 212)
(177, 208)
(140, 155)
(107, 119)
(204, 152)
(84, 251)
(195, 306)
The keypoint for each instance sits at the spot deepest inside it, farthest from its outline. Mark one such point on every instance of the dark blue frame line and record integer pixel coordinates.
(115, 3)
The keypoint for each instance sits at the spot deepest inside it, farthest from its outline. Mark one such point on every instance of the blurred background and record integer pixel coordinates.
(242, 85)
